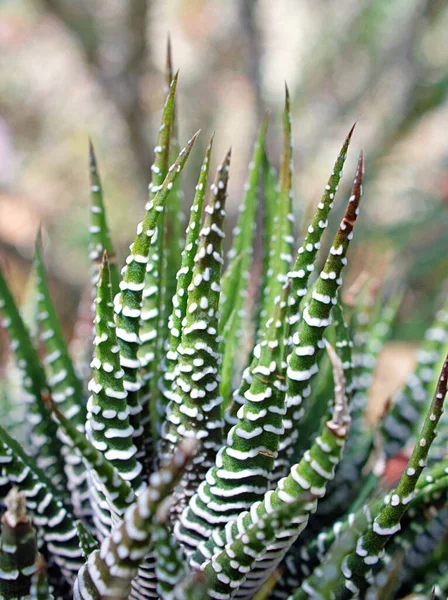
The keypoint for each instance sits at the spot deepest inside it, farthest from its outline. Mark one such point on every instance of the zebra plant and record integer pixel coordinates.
(220, 447)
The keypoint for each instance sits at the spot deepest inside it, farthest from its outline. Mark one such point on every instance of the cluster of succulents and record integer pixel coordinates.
(216, 445)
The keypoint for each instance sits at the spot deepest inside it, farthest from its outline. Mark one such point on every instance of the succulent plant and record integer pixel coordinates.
(220, 447)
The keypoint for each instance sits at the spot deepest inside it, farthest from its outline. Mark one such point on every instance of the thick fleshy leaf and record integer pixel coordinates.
(179, 301)
(128, 303)
(371, 544)
(100, 239)
(152, 326)
(65, 387)
(195, 407)
(45, 444)
(307, 341)
(295, 497)
(110, 570)
(50, 515)
(243, 467)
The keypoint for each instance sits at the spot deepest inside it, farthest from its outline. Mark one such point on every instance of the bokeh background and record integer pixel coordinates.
(70, 69)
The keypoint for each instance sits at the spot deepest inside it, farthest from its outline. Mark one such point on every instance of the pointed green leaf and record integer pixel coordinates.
(282, 240)
(371, 544)
(195, 408)
(235, 279)
(100, 239)
(295, 497)
(46, 445)
(128, 302)
(308, 339)
(116, 489)
(56, 524)
(243, 467)
(110, 570)
(183, 280)
(153, 292)
(306, 257)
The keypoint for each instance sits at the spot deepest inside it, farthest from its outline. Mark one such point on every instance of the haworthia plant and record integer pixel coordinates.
(211, 424)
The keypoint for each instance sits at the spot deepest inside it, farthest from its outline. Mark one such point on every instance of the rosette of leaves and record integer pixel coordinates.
(220, 447)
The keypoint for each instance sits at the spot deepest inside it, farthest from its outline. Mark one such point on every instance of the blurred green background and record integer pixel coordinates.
(70, 69)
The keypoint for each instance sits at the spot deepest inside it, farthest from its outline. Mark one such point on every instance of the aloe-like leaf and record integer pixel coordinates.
(308, 339)
(45, 443)
(306, 257)
(153, 292)
(270, 195)
(370, 545)
(18, 548)
(297, 494)
(108, 424)
(349, 475)
(107, 478)
(173, 224)
(282, 240)
(248, 538)
(304, 558)
(128, 302)
(179, 301)
(13, 406)
(110, 570)
(100, 239)
(235, 279)
(317, 467)
(280, 253)
(319, 408)
(321, 583)
(404, 417)
(243, 467)
(117, 495)
(195, 408)
(417, 545)
(65, 387)
(50, 514)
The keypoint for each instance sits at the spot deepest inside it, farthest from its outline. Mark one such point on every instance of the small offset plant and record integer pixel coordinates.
(219, 447)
